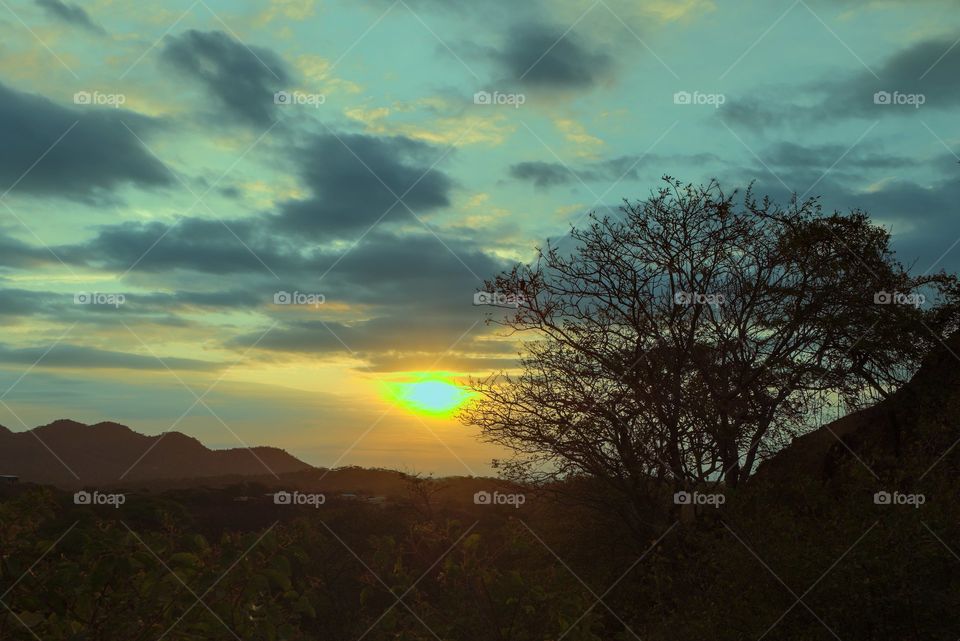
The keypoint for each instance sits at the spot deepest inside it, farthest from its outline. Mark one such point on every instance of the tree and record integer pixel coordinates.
(683, 341)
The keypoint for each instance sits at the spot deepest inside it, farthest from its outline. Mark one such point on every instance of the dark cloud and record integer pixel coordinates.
(542, 174)
(65, 355)
(50, 150)
(610, 170)
(71, 14)
(541, 56)
(355, 179)
(243, 79)
(195, 244)
(927, 69)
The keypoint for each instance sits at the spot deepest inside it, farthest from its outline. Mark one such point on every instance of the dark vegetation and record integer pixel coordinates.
(626, 397)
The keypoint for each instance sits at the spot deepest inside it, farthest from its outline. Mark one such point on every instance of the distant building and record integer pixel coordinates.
(8, 478)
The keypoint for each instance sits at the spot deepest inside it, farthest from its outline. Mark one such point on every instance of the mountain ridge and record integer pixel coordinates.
(70, 454)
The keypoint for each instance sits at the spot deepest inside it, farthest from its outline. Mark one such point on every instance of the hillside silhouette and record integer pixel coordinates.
(69, 454)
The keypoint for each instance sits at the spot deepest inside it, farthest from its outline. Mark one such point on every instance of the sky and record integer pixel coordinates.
(254, 222)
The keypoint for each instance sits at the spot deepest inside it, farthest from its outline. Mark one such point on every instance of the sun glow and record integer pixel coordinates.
(435, 397)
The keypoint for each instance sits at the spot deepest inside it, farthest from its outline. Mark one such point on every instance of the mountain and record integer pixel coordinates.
(909, 433)
(71, 454)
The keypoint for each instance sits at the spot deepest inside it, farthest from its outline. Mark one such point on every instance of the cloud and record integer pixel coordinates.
(355, 179)
(243, 79)
(610, 170)
(49, 150)
(74, 356)
(927, 69)
(541, 56)
(542, 174)
(70, 13)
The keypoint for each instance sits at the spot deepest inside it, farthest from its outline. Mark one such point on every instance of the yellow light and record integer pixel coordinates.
(435, 397)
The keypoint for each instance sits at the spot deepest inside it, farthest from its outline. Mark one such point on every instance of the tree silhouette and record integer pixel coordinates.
(683, 341)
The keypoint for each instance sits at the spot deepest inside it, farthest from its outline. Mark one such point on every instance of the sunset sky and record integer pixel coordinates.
(145, 156)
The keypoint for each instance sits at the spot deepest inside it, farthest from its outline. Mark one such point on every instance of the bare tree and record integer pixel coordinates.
(680, 343)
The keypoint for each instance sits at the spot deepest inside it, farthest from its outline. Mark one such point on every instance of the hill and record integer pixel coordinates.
(69, 454)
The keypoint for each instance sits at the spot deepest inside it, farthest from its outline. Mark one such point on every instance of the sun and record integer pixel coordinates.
(435, 397)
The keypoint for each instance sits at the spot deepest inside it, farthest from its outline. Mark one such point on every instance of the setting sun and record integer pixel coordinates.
(435, 397)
